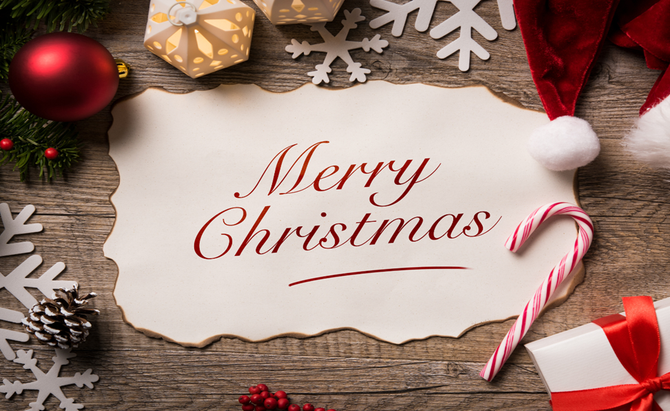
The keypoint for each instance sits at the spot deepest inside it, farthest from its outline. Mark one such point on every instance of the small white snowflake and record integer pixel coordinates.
(49, 383)
(338, 46)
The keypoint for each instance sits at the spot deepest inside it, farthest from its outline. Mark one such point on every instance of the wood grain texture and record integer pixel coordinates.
(345, 370)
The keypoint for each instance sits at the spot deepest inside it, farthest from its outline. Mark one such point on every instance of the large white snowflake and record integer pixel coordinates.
(338, 46)
(48, 383)
(466, 19)
(17, 282)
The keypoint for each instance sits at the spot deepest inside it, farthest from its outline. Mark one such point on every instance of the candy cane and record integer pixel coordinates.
(549, 285)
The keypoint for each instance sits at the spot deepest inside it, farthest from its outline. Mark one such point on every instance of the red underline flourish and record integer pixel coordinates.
(381, 270)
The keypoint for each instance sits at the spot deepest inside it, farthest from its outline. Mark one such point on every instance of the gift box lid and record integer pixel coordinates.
(582, 358)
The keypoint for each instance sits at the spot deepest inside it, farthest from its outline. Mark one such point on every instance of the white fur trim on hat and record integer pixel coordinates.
(565, 143)
(649, 140)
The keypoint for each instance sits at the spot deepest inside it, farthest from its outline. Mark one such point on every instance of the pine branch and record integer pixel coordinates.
(58, 15)
(31, 136)
(12, 37)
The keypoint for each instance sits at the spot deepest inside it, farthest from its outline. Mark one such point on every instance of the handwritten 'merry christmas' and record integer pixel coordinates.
(302, 177)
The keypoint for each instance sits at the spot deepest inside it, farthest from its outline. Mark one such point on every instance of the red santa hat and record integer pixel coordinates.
(563, 39)
(645, 26)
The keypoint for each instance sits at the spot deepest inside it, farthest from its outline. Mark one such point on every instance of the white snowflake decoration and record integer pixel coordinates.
(466, 19)
(16, 283)
(338, 46)
(48, 383)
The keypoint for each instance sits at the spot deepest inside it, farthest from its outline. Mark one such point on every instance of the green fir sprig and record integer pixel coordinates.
(58, 15)
(31, 136)
(12, 38)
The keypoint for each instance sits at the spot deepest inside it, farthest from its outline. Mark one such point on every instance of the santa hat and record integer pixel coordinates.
(563, 39)
(646, 26)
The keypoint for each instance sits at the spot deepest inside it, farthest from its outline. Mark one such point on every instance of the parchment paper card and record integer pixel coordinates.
(381, 207)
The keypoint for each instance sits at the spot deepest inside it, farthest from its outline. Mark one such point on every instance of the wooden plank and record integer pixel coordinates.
(344, 370)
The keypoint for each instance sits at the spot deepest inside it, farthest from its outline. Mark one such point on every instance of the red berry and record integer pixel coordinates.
(257, 399)
(51, 153)
(260, 408)
(266, 394)
(319, 409)
(6, 144)
(308, 407)
(332, 410)
(254, 390)
(248, 407)
(271, 403)
(244, 399)
(283, 403)
(280, 394)
(294, 407)
(262, 387)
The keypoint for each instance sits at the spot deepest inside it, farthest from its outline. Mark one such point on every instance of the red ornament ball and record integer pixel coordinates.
(63, 76)
(51, 153)
(6, 144)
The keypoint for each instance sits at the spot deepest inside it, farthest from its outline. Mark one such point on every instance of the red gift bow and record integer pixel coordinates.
(637, 344)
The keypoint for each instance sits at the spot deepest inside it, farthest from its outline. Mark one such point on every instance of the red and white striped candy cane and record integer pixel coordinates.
(549, 285)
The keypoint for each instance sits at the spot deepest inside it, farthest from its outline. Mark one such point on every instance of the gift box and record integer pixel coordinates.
(616, 361)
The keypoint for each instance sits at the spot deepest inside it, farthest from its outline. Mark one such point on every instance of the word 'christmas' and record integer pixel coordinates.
(364, 232)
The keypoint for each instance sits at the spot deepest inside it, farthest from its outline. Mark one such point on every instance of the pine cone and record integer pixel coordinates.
(61, 322)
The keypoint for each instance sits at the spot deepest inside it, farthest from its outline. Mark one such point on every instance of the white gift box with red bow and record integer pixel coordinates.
(582, 358)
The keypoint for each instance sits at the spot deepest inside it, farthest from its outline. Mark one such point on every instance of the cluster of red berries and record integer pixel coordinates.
(262, 399)
(50, 153)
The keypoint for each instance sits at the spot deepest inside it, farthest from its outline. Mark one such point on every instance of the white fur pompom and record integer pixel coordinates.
(565, 143)
(649, 140)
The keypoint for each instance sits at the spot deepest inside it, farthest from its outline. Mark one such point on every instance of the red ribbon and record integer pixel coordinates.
(637, 344)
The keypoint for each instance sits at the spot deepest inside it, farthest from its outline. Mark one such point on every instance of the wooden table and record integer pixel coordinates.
(344, 370)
